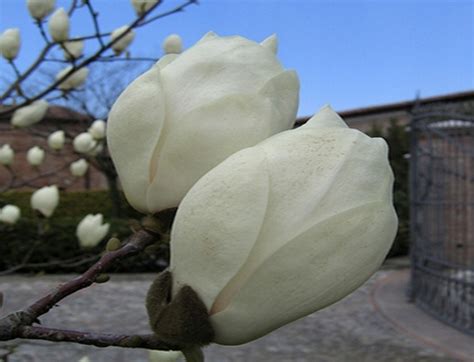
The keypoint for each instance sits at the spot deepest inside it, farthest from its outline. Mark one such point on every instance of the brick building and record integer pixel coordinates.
(55, 169)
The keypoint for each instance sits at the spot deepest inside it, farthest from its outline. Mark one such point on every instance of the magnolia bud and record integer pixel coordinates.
(164, 356)
(45, 200)
(83, 142)
(40, 8)
(6, 155)
(56, 140)
(285, 228)
(58, 25)
(10, 43)
(173, 44)
(187, 114)
(124, 42)
(28, 115)
(113, 244)
(10, 214)
(96, 149)
(90, 231)
(142, 6)
(73, 49)
(79, 168)
(35, 156)
(75, 80)
(97, 129)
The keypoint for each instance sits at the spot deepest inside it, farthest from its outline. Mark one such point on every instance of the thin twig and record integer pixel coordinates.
(19, 324)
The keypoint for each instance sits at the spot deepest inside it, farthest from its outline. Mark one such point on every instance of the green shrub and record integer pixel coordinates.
(58, 250)
(398, 143)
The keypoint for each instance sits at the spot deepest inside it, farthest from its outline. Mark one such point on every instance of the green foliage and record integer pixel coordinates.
(399, 146)
(58, 250)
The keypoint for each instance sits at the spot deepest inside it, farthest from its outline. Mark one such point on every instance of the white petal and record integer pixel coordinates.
(198, 236)
(314, 270)
(325, 118)
(198, 76)
(271, 43)
(283, 91)
(187, 152)
(208, 36)
(133, 130)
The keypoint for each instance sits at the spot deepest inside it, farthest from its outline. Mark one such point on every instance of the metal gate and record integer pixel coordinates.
(442, 217)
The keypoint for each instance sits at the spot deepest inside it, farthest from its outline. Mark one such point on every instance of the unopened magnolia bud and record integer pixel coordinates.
(91, 230)
(124, 42)
(113, 244)
(56, 140)
(79, 168)
(10, 43)
(58, 25)
(35, 156)
(102, 278)
(10, 214)
(83, 142)
(40, 8)
(6, 155)
(73, 49)
(45, 200)
(164, 356)
(74, 80)
(142, 6)
(28, 115)
(97, 129)
(173, 44)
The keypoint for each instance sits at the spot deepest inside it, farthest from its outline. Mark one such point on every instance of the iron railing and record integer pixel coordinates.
(442, 217)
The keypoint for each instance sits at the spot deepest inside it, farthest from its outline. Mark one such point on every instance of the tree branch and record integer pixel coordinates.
(19, 324)
(149, 341)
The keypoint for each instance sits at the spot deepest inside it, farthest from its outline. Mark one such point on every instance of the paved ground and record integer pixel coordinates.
(355, 329)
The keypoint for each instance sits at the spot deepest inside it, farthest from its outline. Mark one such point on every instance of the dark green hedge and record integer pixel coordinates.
(59, 246)
(398, 142)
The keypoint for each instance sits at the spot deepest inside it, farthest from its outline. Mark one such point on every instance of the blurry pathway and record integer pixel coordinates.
(351, 330)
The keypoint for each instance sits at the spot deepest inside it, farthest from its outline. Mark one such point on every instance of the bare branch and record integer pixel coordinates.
(149, 341)
(19, 324)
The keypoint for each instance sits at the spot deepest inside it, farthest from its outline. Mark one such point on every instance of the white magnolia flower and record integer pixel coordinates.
(164, 356)
(221, 95)
(10, 214)
(40, 8)
(285, 228)
(173, 44)
(79, 167)
(124, 42)
(83, 142)
(56, 140)
(73, 49)
(45, 200)
(35, 156)
(91, 230)
(142, 6)
(58, 25)
(97, 129)
(10, 43)
(75, 80)
(6, 155)
(28, 115)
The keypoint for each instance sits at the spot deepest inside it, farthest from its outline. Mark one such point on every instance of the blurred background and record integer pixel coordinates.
(398, 69)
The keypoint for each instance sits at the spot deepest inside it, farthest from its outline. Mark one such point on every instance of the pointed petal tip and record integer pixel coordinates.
(271, 43)
(326, 118)
(208, 36)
